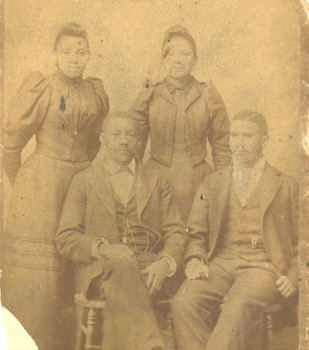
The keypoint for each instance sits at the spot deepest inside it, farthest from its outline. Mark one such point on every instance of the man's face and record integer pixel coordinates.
(121, 139)
(72, 55)
(180, 58)
(246, 142)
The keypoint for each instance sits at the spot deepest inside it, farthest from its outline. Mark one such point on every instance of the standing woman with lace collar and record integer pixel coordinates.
(65, 113)
(180, 113)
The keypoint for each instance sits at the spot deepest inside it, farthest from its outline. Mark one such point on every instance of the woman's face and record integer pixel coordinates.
(179, 58)
(72, 55)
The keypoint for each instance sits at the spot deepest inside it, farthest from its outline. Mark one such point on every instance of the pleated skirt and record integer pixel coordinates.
(37, 283)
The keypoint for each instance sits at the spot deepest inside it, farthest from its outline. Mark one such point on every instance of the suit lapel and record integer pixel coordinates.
(270, 183)
(219, 192)
(145, 185)
(144, 188)
(100, 181)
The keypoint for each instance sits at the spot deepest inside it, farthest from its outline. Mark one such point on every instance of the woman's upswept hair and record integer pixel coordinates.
(71, 29)
(177, 31)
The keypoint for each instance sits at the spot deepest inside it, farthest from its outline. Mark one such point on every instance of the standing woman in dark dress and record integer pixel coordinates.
(65, 113)
(180, 113)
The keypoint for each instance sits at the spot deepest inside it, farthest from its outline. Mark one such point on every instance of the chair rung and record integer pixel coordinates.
(89, 310)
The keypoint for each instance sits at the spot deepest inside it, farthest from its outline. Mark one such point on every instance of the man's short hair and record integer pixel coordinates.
(254, 117)
(119, 115)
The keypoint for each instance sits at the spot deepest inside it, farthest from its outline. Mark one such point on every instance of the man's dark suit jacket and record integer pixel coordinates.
(89, 213)
(279, 218)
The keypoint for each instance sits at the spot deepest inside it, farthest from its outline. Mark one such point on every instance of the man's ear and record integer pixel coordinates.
(55, 57)
(265, 140)
(88, 58)
(195, 61)
(103, 138)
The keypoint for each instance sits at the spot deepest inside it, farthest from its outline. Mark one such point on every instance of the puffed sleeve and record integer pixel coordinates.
(26, 113)
(219, 127)
(140, 111)
(102, 102)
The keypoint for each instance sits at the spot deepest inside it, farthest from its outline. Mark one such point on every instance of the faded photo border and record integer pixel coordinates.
(125, 38)
(304, 179)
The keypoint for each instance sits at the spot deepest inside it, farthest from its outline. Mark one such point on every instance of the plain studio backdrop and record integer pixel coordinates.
(248, 48)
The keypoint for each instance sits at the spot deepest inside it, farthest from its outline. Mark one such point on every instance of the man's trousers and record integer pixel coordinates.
(240, 290)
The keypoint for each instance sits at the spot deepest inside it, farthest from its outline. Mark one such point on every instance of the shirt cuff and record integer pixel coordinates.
(171, 264)
(198, 257)
(95, 247)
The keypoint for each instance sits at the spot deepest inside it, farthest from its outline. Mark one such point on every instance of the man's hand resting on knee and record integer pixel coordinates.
(157, 271)
(285, 287)
(195, 269)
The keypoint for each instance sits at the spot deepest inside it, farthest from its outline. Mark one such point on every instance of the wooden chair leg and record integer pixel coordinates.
(79, 336)
(270, 331)
(91, 318)
(170, 332)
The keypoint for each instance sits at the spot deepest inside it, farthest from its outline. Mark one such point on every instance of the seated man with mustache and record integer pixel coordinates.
(242, 247)
(121, 228)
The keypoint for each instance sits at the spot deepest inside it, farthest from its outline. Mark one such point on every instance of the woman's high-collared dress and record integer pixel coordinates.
(66, 116)
(179, 121)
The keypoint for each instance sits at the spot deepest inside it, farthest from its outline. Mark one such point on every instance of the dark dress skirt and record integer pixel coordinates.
(184, 180)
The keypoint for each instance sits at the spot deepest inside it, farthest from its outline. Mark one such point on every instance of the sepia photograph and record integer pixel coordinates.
(155, 175)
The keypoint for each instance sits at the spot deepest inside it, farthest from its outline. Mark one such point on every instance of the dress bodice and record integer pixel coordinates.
(64, 114)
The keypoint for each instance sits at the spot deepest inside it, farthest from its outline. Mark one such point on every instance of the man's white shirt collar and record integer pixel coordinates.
(115, 168)
(246, 179)
(256, 169)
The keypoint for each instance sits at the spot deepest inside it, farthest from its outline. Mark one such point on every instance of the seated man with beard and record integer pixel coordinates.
(242, 247)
